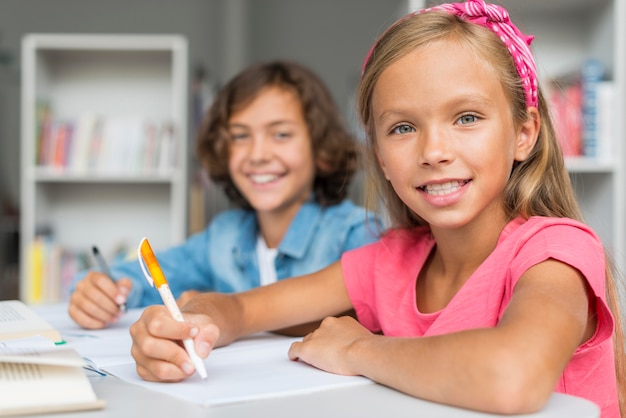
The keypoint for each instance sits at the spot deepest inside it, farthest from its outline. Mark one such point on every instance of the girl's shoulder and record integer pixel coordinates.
(526, 242)
(523, 229)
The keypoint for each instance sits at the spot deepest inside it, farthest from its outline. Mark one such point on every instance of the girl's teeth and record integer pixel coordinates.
(443, 189)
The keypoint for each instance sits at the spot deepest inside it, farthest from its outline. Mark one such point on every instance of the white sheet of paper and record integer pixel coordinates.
(253, 368)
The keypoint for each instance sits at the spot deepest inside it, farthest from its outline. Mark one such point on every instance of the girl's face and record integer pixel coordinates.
(445, 135)
(271, 157)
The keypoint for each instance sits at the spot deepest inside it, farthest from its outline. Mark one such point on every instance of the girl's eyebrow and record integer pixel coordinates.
(463, 100)
(387, 114)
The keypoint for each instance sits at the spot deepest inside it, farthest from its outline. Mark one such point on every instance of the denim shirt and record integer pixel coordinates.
(223, 257)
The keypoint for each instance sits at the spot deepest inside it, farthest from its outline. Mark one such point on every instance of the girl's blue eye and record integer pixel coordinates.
(465, 119)
(403, 129)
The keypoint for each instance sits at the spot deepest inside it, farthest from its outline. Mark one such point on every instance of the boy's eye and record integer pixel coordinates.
(238, 136)
(465, 119)
(403, 129)
(282, 134)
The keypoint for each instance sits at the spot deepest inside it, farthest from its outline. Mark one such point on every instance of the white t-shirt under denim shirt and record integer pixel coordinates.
(266, 256)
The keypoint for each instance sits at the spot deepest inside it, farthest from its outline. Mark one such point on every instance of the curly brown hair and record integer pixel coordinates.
(335, 150)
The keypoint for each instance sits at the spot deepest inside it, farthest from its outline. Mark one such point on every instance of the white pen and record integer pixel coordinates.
(157, 278)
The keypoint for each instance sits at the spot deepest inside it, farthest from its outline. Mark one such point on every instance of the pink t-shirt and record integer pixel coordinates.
(380, 279)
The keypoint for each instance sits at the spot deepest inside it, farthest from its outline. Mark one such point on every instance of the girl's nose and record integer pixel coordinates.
(435, 148)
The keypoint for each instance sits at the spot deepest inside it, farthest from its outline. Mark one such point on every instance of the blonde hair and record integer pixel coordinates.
(538, 186)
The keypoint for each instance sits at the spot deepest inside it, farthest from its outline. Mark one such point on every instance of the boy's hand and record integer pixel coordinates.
(96, 300)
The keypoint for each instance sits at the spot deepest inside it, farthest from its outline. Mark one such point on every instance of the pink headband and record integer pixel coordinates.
(496, 19)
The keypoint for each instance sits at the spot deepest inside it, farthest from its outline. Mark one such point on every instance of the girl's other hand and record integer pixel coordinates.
(157, 343)
(328, 347)
(96, 301)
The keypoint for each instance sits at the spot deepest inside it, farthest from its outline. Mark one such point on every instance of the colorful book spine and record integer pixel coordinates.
(592, 72)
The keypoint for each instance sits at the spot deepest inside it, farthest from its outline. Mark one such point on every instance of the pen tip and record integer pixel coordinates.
(94, 249)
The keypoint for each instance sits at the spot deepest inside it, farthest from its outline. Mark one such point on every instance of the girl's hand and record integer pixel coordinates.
(328, 347)
(95, 302)
(157, 346)
(186, 296)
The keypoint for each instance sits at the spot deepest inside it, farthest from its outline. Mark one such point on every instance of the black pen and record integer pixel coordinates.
(105, 269)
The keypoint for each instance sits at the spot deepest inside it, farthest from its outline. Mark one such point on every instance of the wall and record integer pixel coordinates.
(332, 37)
(192, 18)
(224, 35)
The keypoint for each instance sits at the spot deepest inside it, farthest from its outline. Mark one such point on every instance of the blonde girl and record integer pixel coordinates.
(488, 293)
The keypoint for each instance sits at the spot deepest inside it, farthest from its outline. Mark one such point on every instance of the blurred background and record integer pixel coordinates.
(224, 36)
(332, 38)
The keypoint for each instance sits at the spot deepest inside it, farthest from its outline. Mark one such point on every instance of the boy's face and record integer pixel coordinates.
(271, 157)
(445, 135)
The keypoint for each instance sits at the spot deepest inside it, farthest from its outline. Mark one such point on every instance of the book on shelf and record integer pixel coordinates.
(50, 269)
(38, 375)
(565, 102)
(606, 118)
(87, 131)
(91, 143)
(598, 110)
(582, 105)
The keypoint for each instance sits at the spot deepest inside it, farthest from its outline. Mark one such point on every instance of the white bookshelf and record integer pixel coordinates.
(141, 77)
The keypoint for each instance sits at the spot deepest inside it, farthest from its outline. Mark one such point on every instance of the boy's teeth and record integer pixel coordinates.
(264, 178)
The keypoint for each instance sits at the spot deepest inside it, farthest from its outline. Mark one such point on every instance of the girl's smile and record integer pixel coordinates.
(444, 193)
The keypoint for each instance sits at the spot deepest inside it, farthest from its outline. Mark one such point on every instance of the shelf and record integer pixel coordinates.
(46, 175)
(87, 102)
(589, 165)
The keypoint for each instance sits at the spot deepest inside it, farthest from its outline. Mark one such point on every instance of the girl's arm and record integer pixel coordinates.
(511, 368)
(215, 319)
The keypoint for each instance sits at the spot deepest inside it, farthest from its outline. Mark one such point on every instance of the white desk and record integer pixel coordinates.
(124, 399)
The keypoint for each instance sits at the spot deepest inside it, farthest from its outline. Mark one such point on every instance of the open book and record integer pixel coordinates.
(37, 375)
(17, 320)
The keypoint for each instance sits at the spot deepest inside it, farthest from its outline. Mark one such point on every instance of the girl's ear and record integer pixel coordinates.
(527, 135)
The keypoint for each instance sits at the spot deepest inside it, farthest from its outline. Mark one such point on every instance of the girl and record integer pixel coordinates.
(488, 293)
(274, 140)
